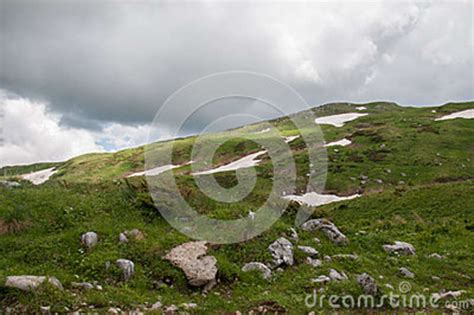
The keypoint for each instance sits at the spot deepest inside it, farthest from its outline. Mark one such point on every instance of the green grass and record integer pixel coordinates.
(432, 209)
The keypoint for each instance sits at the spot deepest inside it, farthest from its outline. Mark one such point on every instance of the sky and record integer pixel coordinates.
(89, 76)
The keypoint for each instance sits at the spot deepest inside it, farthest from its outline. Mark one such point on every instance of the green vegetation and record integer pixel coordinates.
(419, 190)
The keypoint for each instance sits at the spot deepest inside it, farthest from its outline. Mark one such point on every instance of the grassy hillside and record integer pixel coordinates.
(415, 175)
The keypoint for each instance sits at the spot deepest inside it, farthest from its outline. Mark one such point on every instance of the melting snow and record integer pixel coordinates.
(37, 178)
(291, 138)
(262, 131)
(338, 120)
(344, 142)
(361, 108)
(468, 114)
(314, 199)
(245, 162)
(155, 171)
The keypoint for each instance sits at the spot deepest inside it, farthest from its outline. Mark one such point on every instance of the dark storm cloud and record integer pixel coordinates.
(96, 62)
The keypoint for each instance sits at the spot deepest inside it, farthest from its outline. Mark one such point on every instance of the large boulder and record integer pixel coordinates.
(127, 267)
(282, 252)
(328, 228)
(191, 258)
(367, 283)
(30, 283)
(401, 248)
(266, 272)
(89, 239)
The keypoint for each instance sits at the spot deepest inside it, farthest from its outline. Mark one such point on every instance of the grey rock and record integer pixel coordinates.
(327, 258)
(113, 310)
(189, 306)
(171, 309)
(435, 278)
(308, 250)
(321, 279)
(367, 283)
(337, 276)
(436, 256)
(346, 256)
(400, 247)
(191, 258)
(266, 272)
(328, 228)
(314, 262)
(406, 273)
(9, 183)
(123, 238)
(31, 283)
(282, 252)
(134, 234)
(89, 239)
(317, 240)
(294, 235)
(82, 285)
(45, 310)
(156, 305)
(127, 267)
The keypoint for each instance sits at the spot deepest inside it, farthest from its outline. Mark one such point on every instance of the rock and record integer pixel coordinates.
(368, 284)
(337, 276)
(313, 262)
(400, 247)
(113, 310)
(156, 305)
(327, 258)
(308, 250)
(379, 181)
(251, 215)
(188, 306)
(328, 228)
(123, 238)
(45, 310)
(346, 256)
(448, 295)
(266, 272)
(171, 309)
(435, 278)
(127, 267)
(135, 234)
(406, 273)
(30, 283)
(191, 258)
(293, 235)
(89, 239)
(436, 256)
(282, 252)
(317, 240)
(82, 285)
(321, 279)
(389, 286)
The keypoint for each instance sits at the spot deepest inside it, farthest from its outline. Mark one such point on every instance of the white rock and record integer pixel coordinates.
(308, 250)
(89, 239)
(400, 247)
(321, 279)
(127, 267)
(337, 276)
(294, 235)
(265, 271)
(282, 252)
(123, 238)
(328, 228)
(436, 256)
(82, 285)
(30, 283)
(313, 262)
(406, 273)
(368, 284)
(346, 256)
(156, 305)
(191, 258)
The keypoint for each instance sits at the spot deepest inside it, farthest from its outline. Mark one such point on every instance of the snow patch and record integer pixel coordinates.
(245, 162)
(344, 142)
(262, 131)
(39, 177)
(291, 138)
(361, 108)
(314, 199)
(155, 171)
(338, 120)
(467, 114)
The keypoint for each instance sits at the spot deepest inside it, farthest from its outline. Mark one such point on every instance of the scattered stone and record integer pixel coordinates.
(327, 258)
(406, 273)
(435, 278)
(135, 234)
(328, 228)
(98, 287)
(266, 272)
(346, 256)
(156, 305)
(9, 183)
(30, 283)
(293, 235)
(368, 284)
(436, 256)
(191, 258)
(403, 174)
(89, 239)
(45, 310)
(113, 310)
(337, 276)
(317, 240)
(321, 279)
(282, 252)
(82, 285)
(379, 181)
(389, 286)
(251, 215)
(448, 295)
(171, 309)
(400, 247)
(314, 262)
(308, 250)
(123, 238)
(188, 306)
(388, 171)
(127, 267)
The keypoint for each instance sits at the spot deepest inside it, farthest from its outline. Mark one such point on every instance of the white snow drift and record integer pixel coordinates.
(291, 138)
(155, 171)
(245, 162)
(39, 177)
(361, 108)
(344, 142)
(338, 120)
(467, 114)
(314, 199)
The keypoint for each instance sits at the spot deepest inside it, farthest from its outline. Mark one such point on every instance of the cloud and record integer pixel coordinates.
(31, 133)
